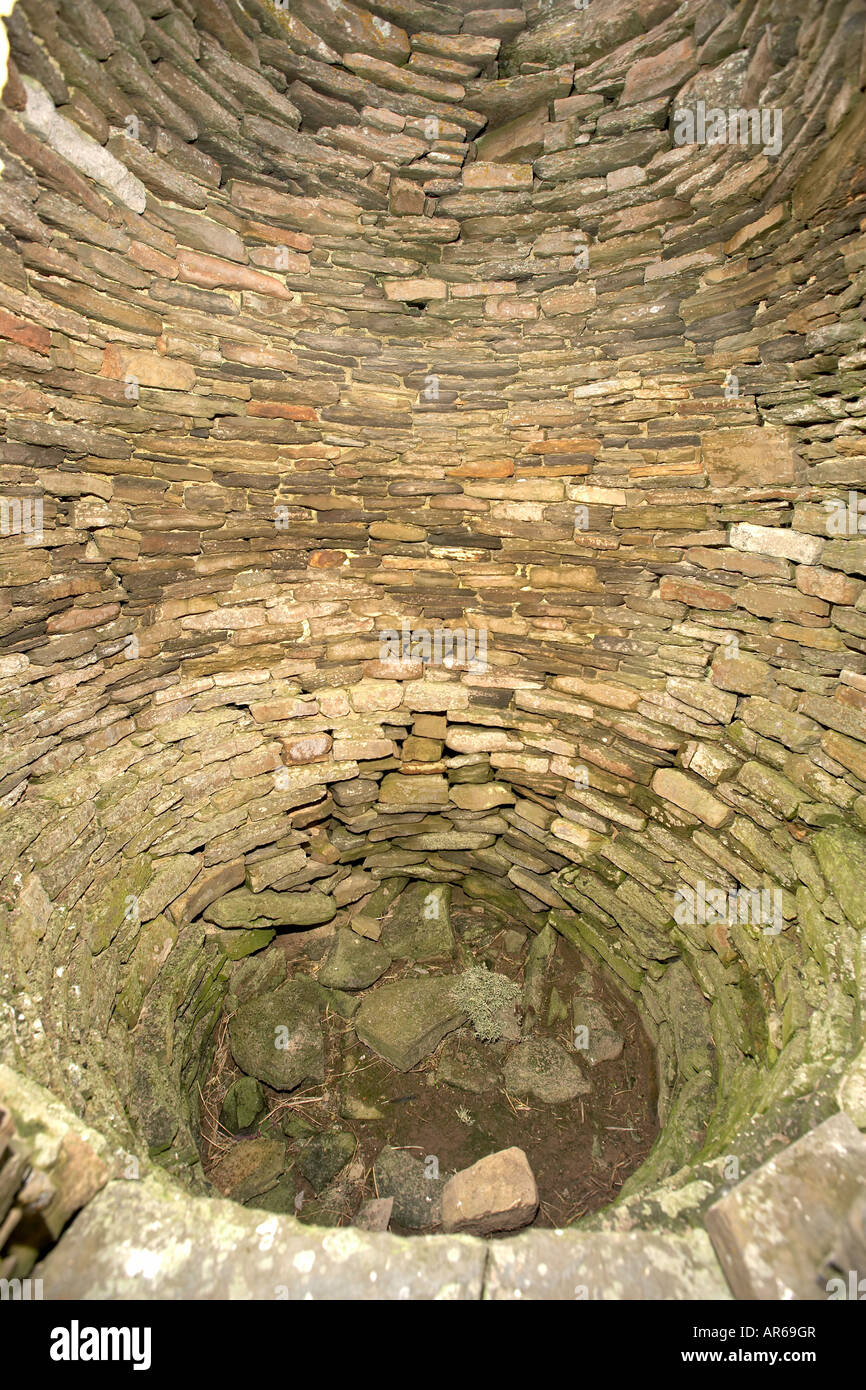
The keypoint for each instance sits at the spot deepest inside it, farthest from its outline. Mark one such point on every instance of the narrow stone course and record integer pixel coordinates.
(432, 488)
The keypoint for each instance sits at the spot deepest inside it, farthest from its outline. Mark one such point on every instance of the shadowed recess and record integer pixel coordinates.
(432, 460)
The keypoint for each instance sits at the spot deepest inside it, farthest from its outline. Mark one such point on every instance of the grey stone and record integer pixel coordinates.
(277, 1037)
(542, 1068)
(419, 927)
(593, 1027)
(774, 1232)
(353, 962)
(467, 1064)
(405, 1020)
(417, 1195)
(776, 540)
(201, 1248)
(375, 1215)
(79, 149)
(604, 1265)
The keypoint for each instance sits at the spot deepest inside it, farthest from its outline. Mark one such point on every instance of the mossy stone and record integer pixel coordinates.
(353, 962)
(244, 909)
(277, 1037)
(419, 927)
(244, 1103)
(249, 1168)
(467, 1064)
(542, 1068)
(279, 1199)
(415, 1186)
(842, 857)
(405, 1020)
(239, 944)
(295, 1127)
(325, 1156)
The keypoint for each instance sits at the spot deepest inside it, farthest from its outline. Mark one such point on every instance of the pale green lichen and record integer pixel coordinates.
(484, 994)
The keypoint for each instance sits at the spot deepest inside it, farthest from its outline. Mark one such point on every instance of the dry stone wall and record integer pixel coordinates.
(336, 341)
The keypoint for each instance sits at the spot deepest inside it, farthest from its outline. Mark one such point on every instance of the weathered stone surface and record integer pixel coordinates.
(277, 1037)
(496, 1194)
(79, 149)
(279, 1199)
(687, 792)
(521, 138)
(665, 72)
(411, 1186)
(506, 98)
(770, 540)
(842, 856)
(369, 922)
(467, 1064)
(375, 1215)
(419, 925)
(207, 888)
(482, 174)
(324, 1156)
(243, 1105)
(352, 962)
(596, 158)
(502, 897)
(249, 1168)
(243, 908)
(171, 877)
(405, 1020)
(595, 1036)
(851, 1092)
(748, 456)
(202, 1248)
(775, 1231)
(275, 869)
(599, 1265)
(417, 291)
(399, 791)
(541, 1068)
(147, 369)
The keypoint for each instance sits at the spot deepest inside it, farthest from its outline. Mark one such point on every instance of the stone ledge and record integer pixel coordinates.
(201, 1248)
(564, 1265)
(195, 1248)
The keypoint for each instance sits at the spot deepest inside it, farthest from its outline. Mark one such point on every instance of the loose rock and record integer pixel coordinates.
(541, 1068)
(496, 1194)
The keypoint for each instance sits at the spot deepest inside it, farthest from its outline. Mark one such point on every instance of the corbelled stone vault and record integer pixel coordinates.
(432, 447)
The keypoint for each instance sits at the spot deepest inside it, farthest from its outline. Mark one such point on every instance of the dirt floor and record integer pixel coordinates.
(580, 1151)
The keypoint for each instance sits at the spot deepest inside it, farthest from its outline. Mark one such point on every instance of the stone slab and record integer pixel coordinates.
(405, 1020)
(147, 1240)
(775, 1230)
(604, 1265)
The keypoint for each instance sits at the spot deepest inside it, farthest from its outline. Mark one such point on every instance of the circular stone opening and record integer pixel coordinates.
(362, 1065)
(429, 451)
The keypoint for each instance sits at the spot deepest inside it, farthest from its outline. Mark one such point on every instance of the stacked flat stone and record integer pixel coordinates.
(320, 325)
